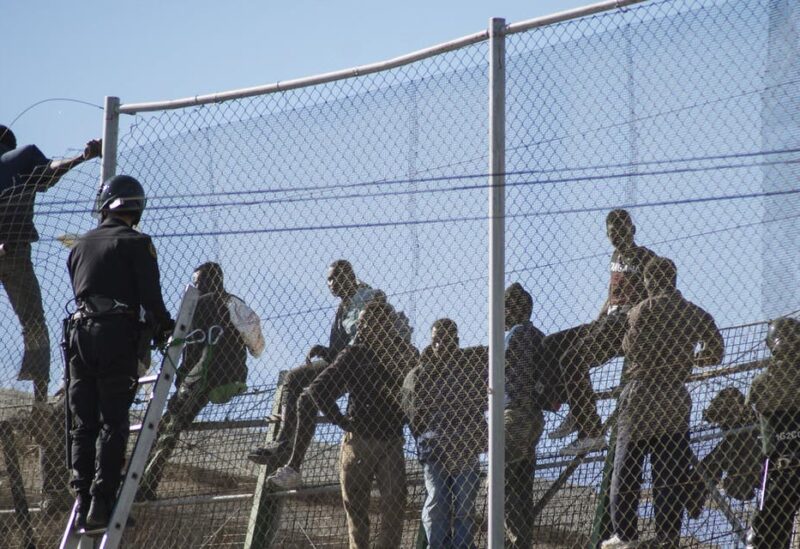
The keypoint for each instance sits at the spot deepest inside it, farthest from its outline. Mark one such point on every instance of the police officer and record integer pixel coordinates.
(775, 395)
(24, 172)
(115, 279)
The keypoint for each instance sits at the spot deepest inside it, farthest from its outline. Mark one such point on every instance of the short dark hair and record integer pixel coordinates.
(520, 297)
(7, 137)
(661, 269)
(445, 324)
(377, 313)
(342, 265)
(619, 216)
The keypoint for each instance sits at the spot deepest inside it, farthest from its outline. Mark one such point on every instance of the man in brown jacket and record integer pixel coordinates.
(663, 333)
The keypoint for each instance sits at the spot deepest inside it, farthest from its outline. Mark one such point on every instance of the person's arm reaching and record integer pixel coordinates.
(48, 175)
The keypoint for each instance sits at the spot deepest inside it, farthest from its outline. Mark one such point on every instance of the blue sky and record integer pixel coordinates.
(150, 50)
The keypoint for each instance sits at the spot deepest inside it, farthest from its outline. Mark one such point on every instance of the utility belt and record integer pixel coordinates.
(101, 307)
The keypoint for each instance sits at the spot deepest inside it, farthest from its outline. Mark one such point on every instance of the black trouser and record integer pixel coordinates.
(22, 287)
(182, 409)
(670, 460)
(519, 503)
(780, 501)
(101, 390)
(299, 412)
(585, 347)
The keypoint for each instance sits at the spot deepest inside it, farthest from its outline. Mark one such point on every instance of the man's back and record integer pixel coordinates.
(18, 192)
(115, 262)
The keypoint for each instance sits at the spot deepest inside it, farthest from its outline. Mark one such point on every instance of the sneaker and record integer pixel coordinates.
(287, 478)
(271, 453)
(582, 446)
(565, 429)
(616, 543)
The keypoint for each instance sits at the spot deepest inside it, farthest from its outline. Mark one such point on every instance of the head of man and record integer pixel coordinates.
(342, 281)
(209, 278)
(660, 275)
(376, 325)
(726, 409)
(620, 229)
(7, 138)
(123, 197)
(518, 305)
(444, 338)
(783, 338)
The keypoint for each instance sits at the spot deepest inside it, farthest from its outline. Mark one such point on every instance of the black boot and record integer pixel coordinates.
(82, 501)
(99, 512)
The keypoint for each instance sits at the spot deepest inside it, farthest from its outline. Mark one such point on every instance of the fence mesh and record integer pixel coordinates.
(372, 382)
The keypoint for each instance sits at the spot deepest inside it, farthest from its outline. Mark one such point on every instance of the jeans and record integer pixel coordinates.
(451, 497)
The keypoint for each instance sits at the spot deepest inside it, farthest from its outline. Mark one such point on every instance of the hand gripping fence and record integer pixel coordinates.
(532, 287)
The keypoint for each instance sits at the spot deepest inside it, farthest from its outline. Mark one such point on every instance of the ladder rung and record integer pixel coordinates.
(144, 380)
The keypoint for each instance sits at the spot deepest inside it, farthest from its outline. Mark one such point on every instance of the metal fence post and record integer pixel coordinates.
(497, 167)
(108, 167)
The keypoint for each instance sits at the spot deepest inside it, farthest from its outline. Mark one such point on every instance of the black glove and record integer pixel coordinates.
(163, 333)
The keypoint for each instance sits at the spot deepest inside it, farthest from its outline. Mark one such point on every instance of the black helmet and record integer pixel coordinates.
(121, 193)
(783, 337)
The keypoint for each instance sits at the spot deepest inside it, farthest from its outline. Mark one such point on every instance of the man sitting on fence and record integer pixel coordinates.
(596, 343)
(446, 409)
(663, 332)
(370, 372)
(212, 370)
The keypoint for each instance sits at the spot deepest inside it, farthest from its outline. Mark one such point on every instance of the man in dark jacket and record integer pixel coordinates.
(115, 277)
(24, 172)
(524, 420)
(291, 442)
(370, 372)
(218, 361)
(775, 396)
(449, 401)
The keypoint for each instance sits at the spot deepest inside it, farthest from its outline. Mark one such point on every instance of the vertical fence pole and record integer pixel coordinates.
(497, 168)
(108, 166)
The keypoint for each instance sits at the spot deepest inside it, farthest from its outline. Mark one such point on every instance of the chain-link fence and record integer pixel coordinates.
(350, 214)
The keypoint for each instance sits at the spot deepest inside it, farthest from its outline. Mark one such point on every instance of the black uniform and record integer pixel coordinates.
(114, 275)
(775, 395)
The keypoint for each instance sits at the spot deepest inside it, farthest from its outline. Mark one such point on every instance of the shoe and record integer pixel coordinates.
(81, 510)
(565, 429)
(615, 542)
(287, 478)
(582, 446)
(99, 513)
(271, 453)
